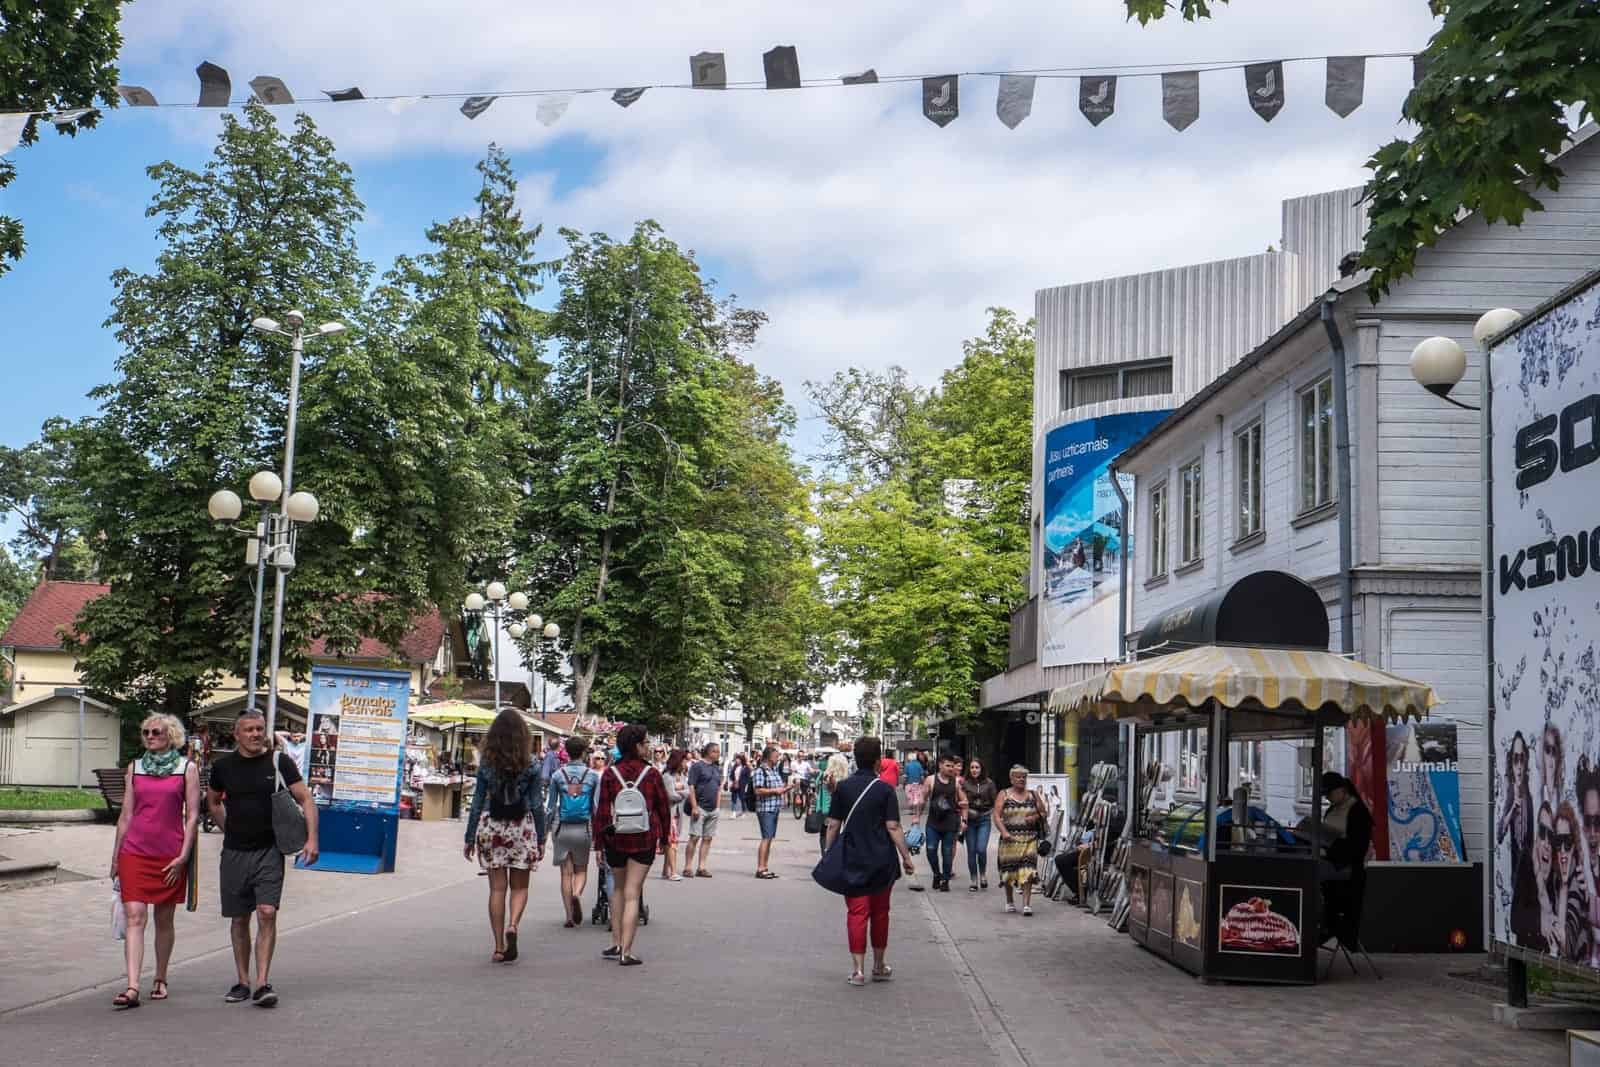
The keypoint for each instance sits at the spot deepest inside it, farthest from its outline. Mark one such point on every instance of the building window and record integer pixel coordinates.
(1332, 758)
(1191, 760)
(1190, 512)
(1158, 530)
(1247, 479)
(1122, 381)
(1316, 445)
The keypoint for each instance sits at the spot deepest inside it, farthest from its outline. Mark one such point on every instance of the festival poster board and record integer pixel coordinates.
(1083, 540)
(1545, 584)
(358, 737)
(1424, 773)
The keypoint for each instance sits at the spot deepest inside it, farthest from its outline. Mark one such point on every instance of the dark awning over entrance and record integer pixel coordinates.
(1269, 609)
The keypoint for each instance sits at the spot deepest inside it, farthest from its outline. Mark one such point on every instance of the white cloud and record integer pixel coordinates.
(869, 235)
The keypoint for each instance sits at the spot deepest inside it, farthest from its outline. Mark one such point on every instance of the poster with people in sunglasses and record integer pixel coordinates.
(1545, 812)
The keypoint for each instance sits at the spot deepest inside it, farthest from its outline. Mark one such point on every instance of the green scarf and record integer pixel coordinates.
(160, 764)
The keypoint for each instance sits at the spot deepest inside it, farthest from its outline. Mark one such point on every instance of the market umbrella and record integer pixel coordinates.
(1275, 679)
(454, 711)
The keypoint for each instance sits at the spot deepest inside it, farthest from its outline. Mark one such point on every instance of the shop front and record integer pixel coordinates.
(1215, 884)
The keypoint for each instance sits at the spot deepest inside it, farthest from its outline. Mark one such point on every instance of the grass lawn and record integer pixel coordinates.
(49, 799)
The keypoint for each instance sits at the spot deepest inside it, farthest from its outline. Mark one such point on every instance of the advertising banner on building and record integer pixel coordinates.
(358, 736)
(1424, 793)
(1545, 501)
(1083, 540)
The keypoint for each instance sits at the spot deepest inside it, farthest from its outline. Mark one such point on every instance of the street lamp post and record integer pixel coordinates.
(493, 603)
(295, 507)
(224, 506)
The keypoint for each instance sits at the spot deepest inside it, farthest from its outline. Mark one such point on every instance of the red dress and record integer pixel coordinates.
(154, 838)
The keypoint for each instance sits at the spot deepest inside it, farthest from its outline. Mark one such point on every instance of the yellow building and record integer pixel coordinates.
(39, 713)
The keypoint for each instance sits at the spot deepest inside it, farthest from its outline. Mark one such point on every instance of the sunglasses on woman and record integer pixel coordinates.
(157, 732)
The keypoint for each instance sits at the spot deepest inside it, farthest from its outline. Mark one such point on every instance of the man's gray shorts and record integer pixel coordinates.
(250, 877)
(704, 824)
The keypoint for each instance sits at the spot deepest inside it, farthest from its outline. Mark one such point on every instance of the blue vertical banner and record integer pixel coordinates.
(1083, 537)
(1424, 793)
(358, 737)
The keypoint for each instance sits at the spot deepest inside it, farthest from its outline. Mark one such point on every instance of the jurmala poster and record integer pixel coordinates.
(1424, 773)
(358, 736)
(1545, 503)
(1083, 537)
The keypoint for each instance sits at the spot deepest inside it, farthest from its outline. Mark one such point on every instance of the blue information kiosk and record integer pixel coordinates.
(357, 722)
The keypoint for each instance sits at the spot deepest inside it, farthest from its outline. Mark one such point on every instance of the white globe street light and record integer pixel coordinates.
(1493, 323)
(224, 505)
(302, 507)
(1438, 365)
(534, 622)
(474, 602)
(265, 487)
(552, 631)
(496, 591)
(518, 601)
(516, 630)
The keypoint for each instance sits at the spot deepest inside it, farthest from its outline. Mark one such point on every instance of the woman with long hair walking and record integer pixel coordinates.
(738, 779)
(864, 821)
(1019, 819)
(155, 841)
(675, 775)
(505, 828)
(981, 792)
(631, 817)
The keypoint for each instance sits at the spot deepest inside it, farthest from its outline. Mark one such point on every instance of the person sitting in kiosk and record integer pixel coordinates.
(1347, 832)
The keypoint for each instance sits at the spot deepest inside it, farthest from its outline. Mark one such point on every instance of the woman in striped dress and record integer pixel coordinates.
(1019, 819)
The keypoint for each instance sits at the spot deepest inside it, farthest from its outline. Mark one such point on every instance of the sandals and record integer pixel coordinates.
(884, 975)
(498, 957)
(857, 979)
(575, 909)
(765, 875)
(630, 961)
(511, 945)
(127, 999)
(158, 989)
(702, 874)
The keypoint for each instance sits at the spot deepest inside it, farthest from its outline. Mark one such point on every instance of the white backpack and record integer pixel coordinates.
(630, 814)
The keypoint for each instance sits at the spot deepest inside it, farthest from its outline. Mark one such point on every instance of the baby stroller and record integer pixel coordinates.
(601, 916)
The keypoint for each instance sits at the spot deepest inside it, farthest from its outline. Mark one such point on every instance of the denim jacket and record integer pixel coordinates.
(488, 784)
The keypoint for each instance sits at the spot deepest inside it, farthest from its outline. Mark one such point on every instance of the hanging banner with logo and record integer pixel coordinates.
(941, 99)
(1264, 84)
(1424, 774)
(1083, 539)
(1180, 98)
(358, 736)
(1545, 505)
(1097, 98)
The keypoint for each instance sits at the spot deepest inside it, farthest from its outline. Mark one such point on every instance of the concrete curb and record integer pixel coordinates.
(26, 874)
(35, 818)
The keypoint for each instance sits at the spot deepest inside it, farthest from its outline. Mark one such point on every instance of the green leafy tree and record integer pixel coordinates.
(200, 400)
(48, 511)
(1492, 112)
(55, 55)
(924, 528)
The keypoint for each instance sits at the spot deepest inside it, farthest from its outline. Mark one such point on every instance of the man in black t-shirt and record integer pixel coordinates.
(240, 798)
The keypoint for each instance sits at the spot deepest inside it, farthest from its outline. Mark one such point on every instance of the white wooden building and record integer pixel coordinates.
(1243, 476)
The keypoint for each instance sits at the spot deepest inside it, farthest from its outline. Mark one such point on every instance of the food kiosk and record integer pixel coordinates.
(1216, 886)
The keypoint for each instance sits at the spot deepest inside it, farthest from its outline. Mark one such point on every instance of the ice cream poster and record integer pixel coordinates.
(1260, 920)
(1424, 793)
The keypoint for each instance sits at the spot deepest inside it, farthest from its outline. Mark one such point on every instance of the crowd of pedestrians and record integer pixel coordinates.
(619, 804)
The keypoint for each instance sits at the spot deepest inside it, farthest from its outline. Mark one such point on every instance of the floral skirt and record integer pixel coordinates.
(1019, 854)
(503, 843)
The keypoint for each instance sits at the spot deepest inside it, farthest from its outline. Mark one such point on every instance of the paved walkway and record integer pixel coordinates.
(387, 969)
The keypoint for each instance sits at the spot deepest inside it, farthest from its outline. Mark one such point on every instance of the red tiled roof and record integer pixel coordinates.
(51, 608)
(481, 691)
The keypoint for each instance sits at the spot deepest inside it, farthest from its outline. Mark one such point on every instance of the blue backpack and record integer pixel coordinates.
(577, 798)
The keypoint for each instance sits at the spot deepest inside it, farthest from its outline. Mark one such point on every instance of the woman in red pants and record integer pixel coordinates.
(867, 814)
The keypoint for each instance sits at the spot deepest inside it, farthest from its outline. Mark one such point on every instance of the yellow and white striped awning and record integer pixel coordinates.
(1270, 678)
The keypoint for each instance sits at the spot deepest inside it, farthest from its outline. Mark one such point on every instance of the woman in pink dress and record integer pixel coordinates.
(155, 838)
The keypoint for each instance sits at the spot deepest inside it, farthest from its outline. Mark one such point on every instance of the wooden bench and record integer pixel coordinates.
(113, 785)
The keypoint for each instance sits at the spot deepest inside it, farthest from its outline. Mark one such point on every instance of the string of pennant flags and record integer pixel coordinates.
(941, 93)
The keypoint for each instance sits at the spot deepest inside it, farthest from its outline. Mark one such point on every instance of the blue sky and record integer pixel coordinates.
(869, 235)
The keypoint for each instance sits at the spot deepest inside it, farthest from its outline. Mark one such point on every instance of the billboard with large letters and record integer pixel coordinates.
(358, 737)
(1082, 537)
(1545, 501)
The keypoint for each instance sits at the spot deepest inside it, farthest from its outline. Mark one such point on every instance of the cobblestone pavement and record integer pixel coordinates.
(394, 968)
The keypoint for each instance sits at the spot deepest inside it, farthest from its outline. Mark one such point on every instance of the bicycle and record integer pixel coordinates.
(801, 797)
